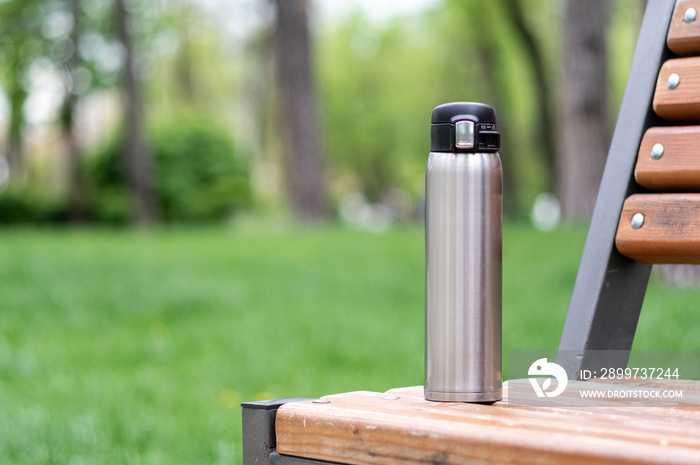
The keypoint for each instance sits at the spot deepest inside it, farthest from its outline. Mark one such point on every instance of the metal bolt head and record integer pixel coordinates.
(689, 15)
(673, 81)
(656, 151)
(390, 397)
(637, 220)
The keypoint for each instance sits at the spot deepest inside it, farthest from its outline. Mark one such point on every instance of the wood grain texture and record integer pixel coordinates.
(681, 104)
(678, 169)
(361, 428)
(684, 38)
(671, 229)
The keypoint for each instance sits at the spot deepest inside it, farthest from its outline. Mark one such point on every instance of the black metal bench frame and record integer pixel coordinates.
(259, 437)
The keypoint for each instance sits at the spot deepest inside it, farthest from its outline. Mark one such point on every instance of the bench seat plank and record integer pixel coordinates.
(682, 103)
(684, 38)
(670, 232)
(361, 428)
(678, 168)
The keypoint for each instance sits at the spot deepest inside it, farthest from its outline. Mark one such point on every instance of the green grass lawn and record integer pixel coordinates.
(131, 347)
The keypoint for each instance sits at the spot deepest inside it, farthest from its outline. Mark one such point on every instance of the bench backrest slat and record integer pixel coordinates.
(669, 159)
(680, 103)
(670, 232)
(684, 37)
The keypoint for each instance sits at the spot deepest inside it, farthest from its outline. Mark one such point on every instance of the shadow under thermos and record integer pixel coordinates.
(463, 247)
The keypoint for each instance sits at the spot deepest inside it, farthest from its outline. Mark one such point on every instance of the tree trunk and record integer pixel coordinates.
(184, 69)
(303, 164)
(586, 128)
(137, 160)
(15, 158)
(77, 190)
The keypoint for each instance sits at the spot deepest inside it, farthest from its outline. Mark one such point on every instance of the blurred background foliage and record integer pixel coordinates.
(210, 102)
(198, 177)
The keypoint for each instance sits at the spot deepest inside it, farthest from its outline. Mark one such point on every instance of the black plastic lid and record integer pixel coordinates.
(483, 117)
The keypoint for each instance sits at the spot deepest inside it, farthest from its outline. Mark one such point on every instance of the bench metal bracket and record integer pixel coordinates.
(260, 438)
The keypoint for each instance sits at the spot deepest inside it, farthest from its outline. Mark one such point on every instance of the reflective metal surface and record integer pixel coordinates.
(463, 277)
(464, 134)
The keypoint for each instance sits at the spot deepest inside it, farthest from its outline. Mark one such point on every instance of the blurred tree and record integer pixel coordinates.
(303, 163)
(184, 68)
(193, 64)
(21, 43)
(586, 121)
(367, 104)
(138, 163)
(17, 95)
(545, 129)
(211, 186)
(381, 80)
(71, 64)
(78, 40)
(488, 47)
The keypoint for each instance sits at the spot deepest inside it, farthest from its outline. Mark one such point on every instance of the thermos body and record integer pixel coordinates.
(463, 273)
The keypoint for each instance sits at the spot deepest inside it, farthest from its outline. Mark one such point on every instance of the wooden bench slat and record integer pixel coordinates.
(678, 169)
(684, 38)
(671, 229)
(363, 429)
(682, 103)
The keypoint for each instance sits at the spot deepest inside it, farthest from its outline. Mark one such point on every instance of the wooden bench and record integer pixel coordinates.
(648, 211)
(400, 427)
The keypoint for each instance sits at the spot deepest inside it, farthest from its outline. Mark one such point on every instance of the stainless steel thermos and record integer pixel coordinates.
(463, 248)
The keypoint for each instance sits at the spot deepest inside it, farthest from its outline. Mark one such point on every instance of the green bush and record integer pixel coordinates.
(198, 175)
(15, 208)
(23, 206)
